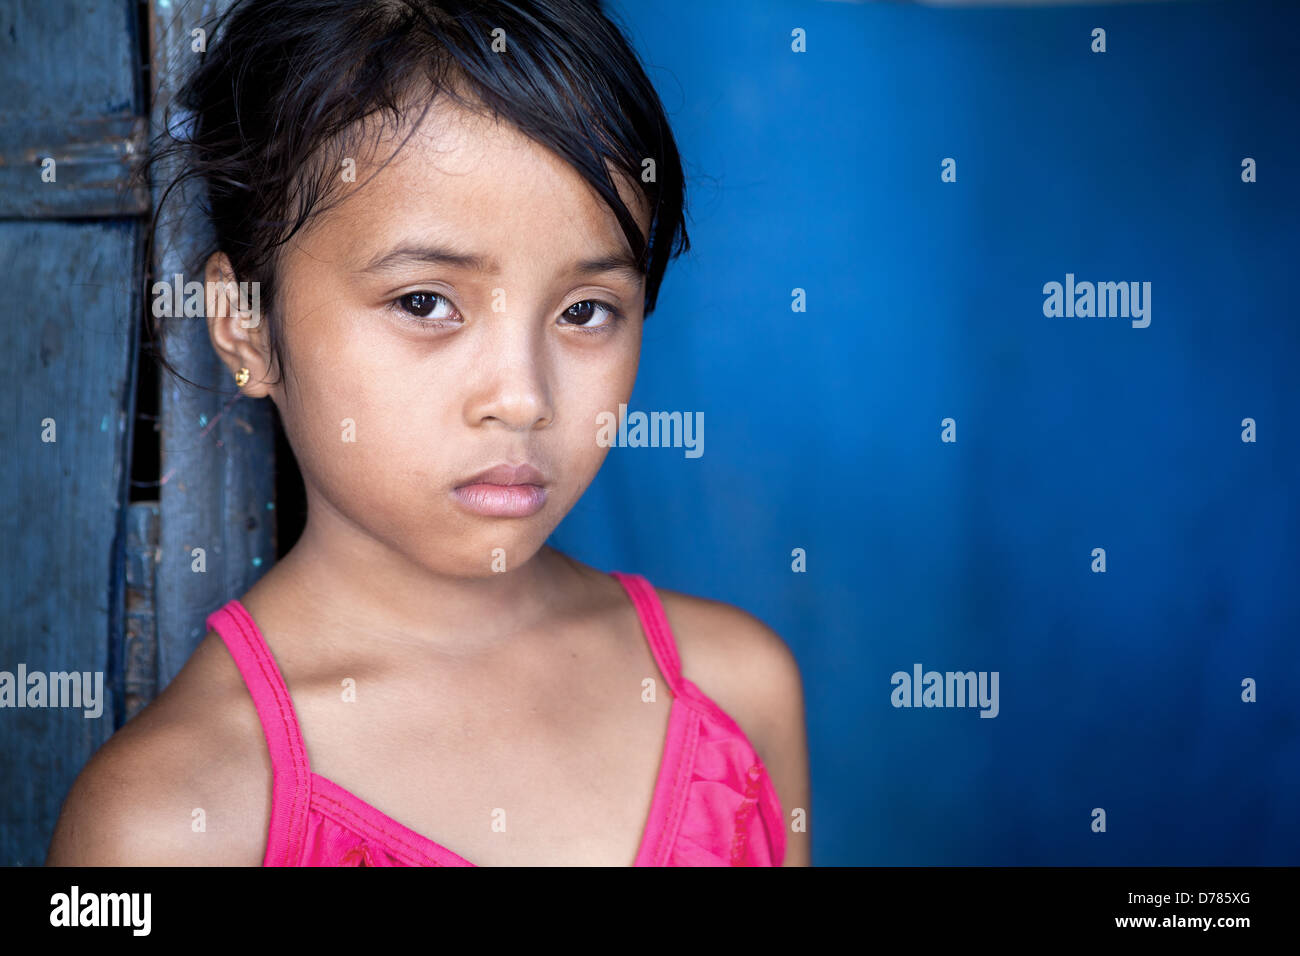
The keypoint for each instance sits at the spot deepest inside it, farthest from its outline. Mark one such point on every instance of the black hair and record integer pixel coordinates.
(285, 83)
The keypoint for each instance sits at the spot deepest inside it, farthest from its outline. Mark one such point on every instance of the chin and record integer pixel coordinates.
(488, 554)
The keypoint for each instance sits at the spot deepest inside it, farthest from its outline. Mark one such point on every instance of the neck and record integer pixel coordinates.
(338, 575)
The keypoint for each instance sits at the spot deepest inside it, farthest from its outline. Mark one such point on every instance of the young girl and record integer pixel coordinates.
(458, 215)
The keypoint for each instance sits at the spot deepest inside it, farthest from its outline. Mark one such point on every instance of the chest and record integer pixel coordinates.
(532, 772)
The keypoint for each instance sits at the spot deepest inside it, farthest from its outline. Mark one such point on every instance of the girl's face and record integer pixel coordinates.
(471, 304)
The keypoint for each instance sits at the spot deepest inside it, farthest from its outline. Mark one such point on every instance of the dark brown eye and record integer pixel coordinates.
(427, 308)
(590, 314)
(420, 303)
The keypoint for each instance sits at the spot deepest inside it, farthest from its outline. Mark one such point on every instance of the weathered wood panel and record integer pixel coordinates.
(70, 76)
(69, 73)
(218, 456)
(72, 168)
(70, 332)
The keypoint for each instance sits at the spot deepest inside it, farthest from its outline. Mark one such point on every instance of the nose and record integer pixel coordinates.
(513, 389)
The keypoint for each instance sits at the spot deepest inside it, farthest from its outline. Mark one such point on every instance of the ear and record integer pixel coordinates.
(236, 325)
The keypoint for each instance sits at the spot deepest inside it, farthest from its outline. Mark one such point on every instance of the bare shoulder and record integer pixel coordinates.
(735, 658)
(186, 782)
(751, 673)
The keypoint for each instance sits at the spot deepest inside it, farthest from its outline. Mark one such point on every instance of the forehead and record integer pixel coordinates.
(474, 181)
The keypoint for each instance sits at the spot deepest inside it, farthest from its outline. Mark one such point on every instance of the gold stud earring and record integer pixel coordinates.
(241, 377)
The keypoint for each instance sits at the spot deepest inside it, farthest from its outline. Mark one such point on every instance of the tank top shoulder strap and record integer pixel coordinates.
(654, 622)
(290, 770)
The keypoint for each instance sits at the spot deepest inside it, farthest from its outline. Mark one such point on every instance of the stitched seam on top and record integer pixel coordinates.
(301, 767)
(663, 645)
(664, 652)
(650, 613)
(348, 818)
(297, 810)
(686, 760)
(351, 818)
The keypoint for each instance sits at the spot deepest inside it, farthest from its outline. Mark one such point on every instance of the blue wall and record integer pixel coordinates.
(821, 170)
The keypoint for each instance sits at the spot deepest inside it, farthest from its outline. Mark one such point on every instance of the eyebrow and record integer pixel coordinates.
(621, 263)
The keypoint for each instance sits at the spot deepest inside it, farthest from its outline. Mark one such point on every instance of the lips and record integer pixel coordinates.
(524, 474)
(503, 491)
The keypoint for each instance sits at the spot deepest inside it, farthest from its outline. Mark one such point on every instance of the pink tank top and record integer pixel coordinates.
(713, 802)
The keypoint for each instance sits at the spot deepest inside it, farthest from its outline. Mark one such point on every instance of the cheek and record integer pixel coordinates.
(349, 413)
(588, 390)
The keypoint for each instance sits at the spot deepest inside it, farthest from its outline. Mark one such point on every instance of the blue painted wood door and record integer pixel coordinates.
(82, 564)
(71, 115)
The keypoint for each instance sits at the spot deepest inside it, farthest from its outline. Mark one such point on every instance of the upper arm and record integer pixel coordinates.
(785, 736)
(780, 733)
(111, 815)
(750, 672)
(185, 783)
